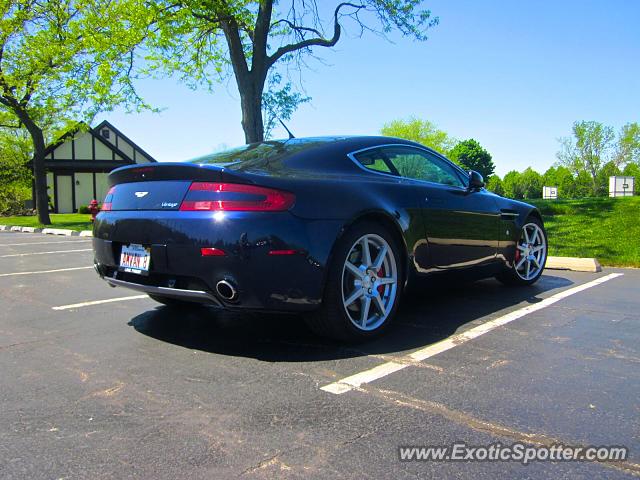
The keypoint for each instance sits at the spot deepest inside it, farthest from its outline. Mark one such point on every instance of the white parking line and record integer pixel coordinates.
(368, 376)
(45, 253)
(41, 243)
(98, 302)
(44, 271)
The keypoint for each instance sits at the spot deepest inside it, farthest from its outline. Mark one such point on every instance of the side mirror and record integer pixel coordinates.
(476, 182)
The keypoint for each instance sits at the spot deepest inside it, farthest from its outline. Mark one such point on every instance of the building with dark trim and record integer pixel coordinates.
(77, 165)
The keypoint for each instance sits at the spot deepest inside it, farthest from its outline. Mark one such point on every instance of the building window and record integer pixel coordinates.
(105, 133)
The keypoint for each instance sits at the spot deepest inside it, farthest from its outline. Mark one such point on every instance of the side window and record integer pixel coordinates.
(421, 165)
(376, 161)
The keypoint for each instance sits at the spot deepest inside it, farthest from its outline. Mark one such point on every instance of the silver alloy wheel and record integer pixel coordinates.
(531, 251)
(369, 282)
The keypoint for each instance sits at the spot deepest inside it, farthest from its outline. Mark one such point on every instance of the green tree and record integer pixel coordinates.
(494, 184)
(609, 169)
(15, 153)
(471, 155)
(512, 184)
(562, 178)
(15, 176)
(421, 131)
(61, 62)
(204, 41)
(550, 177)
(531, 183)
(628, 148)
(633, 170)
(583, 185)
(591, 146)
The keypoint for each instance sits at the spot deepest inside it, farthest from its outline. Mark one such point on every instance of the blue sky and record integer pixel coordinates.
(512, 75)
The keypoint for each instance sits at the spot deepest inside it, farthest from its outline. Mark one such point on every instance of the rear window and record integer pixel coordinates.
(255, 157)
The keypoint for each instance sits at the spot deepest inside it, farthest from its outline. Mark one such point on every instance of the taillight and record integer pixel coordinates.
(212, 252)
(207, 196)
(106, 205)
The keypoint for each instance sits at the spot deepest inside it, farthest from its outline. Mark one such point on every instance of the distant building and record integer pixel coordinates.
(77, 165)
(621, 186)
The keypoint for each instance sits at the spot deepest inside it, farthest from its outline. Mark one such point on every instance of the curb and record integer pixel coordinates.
(31, 230)
(59, 231)
(574, 263)
(46, 231)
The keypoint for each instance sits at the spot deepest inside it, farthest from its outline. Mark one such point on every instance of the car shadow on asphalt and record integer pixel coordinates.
(435, 311)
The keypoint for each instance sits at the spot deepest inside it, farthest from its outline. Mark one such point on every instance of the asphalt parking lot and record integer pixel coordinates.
(129, 388)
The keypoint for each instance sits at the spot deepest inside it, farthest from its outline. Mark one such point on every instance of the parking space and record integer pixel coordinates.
(129, 388)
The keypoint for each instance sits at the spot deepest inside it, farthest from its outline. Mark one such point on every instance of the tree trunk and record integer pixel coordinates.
(594, 182)
(40, 176)
(39, 172)
(251, 104)
(250, 82)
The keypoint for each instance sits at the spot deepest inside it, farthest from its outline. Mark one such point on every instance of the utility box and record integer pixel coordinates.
(621, 186)
(550, 192)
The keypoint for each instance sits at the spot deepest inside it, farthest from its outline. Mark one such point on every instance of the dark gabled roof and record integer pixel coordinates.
(63, 138)
(105, 123)
(95, 132)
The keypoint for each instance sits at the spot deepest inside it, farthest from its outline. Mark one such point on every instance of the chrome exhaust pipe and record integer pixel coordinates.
(226, 290)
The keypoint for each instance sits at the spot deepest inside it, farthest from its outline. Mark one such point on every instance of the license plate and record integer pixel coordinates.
(135, 258)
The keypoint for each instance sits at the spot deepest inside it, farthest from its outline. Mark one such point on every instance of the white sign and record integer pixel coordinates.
(550, 192)
(621, 186)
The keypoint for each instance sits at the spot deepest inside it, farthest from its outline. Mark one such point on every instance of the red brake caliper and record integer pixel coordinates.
(381, 274)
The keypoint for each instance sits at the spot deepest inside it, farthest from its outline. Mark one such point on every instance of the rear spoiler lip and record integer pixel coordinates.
(164, 164)
(174, 171)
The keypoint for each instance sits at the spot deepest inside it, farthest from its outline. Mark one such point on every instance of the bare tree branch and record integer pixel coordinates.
(319, 41)
(297, 28)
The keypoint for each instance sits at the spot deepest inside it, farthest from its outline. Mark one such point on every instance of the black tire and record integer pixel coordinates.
(331, 319)
(172, 302)
(510, 276)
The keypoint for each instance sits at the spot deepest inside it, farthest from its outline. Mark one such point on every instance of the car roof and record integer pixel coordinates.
(320, 142)
(307, 153)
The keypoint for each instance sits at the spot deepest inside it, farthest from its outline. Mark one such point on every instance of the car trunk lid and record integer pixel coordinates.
(159, 186)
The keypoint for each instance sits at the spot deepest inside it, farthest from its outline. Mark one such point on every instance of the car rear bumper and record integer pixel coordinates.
(263, 281)
(198, 296)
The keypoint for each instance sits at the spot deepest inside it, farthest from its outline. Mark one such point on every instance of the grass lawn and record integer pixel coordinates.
(72, 221)
(605, 228)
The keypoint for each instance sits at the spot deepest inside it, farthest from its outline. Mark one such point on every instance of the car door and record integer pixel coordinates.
(405, 198)
(461, 225)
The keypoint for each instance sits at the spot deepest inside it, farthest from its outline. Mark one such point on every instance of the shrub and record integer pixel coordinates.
(12, 198)
(495, 185)
(84, 209)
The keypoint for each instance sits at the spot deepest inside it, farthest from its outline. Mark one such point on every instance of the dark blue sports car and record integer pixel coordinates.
(334, 227)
